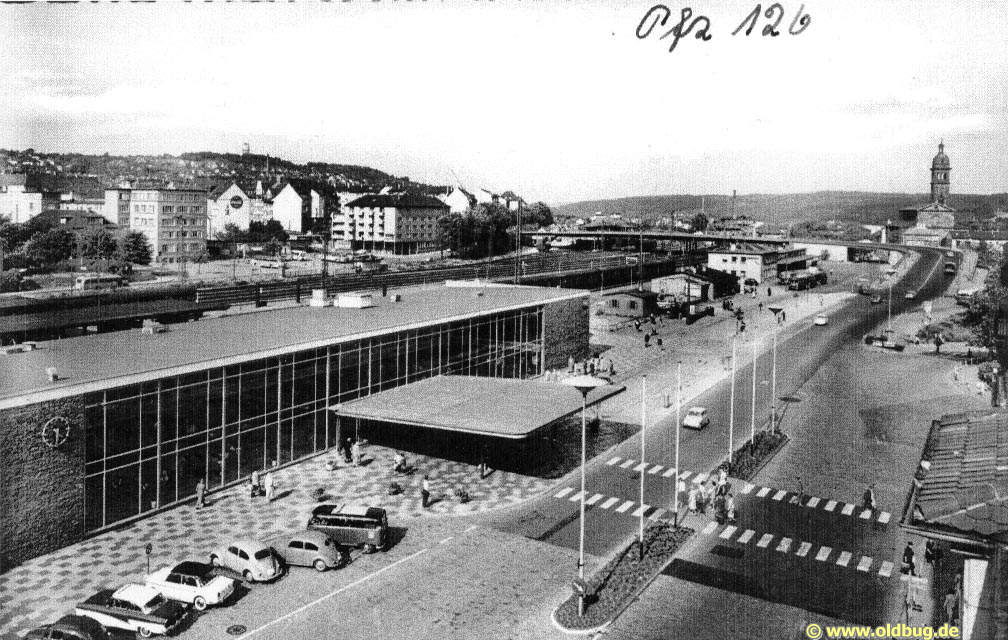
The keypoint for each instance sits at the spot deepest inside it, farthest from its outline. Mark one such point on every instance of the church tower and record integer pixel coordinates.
(940, 176)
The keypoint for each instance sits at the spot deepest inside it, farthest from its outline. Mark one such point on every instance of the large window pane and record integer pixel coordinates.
(304, 435)
(123, 426)
(349, 374)
(304, 382)
(94, 497)
(215, 403)
(192, 409)
(167, 484)
(148, 420)
(253, 448)
(94, 433)
(191, 467)
(286, 382)
(231, 398)
(253, 394)
(122, 493)
(169, 415)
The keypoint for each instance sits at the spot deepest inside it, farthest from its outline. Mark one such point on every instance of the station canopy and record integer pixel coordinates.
(508, 408)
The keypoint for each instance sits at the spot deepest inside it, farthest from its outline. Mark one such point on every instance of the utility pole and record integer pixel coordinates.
(518, 232)
(731, 410)
(640, 286)
(773, 386)
(752, 412)
(643, 418)
(678, 407)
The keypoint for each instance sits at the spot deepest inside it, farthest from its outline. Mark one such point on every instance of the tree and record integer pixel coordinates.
(98, 244)
(232, 233)
(132, 248)
(49, 247)
(699, 221)
(264, 232)
(538, 214)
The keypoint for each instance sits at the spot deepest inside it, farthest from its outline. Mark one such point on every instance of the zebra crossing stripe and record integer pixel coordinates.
(780, 494)
(764, 542)
(608, 503)
(823, 553)
(886, 570)
(685, 474)
(865, 514)
(844, 558)
(746, 536)
(623, 508)
(576, 496)
(642, 466)
(641, 510)
(762, 492)
(883, 517)
(728, 531)
(657, 514)
(748, 488)
(564, 492)
(668, 473)
(803, 549)
(627, 464)
(785, 545)
(699, 478)
(813, 501)
(864, 564)
(595, 498)
(655, 469)
(613, 461)
(831, 505)
(848, 509)
(709, 529)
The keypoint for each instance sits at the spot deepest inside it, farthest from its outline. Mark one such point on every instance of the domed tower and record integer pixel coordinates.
(940, 175)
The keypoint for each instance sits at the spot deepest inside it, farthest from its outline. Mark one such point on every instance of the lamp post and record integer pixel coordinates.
(731, 408)
(752, 412)
(678, 406)
(643, 422)
(773, 375)
(584, 384)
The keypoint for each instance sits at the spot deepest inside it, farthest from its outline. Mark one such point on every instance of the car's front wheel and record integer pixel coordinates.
(247, 575)
(320, 565)
(214, 560)
(143, 632)
(200, 603)
(370, 548)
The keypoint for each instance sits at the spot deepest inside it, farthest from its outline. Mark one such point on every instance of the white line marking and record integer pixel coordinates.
(762, 492)
(803, 549)
(627, 464)
(668, 473)
(886, 569)
(764, 542)
(779, 495)
(728, 531)
(595, 498)
(447, 539)
(785, 545)
(563, 492)
(608, 503)
(831, 505)
(844, 558)
(657, 514)
(642, 466)
(748, 488)
(746, 536)
(331, 594)
(823, 553)
(848, 509)
(865, 514)
(470, 528)
(685, 474)
(576, 496)
(813, 501)
(613, 461)
(699, 478)
(655, 469)
(883, 517)
(709, 529)
(623, 508)
(639, 511)
(864, 564)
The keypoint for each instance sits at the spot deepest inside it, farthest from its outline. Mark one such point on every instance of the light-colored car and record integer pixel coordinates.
(134, 607)
(253, 560)
(192, 582)
(821, 320)
(696, 418)
(312, 549)
(910, 295)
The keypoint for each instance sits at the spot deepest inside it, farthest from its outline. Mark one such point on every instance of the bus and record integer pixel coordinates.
(950, 268)
(806, 280)
(98, 281)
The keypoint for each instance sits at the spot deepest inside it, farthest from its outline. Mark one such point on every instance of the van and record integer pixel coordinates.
(365, 527)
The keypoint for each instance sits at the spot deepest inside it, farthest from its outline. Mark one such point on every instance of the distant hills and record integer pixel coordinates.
(784, 209)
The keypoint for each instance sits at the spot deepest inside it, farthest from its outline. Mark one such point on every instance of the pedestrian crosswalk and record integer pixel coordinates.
(800, 548)
(778, 495)
(618, 505)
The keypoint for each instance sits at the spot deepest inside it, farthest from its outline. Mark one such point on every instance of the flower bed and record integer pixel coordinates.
(612, 589)
(749, 460)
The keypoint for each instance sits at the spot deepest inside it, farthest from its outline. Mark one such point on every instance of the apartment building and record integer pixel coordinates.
(399, 224)
(174, 221)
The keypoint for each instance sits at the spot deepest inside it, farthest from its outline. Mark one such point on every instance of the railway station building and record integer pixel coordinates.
(100, 430)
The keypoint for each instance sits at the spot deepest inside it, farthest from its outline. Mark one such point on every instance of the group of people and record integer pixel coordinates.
(650, 331)
(263, 483)
(595, 365)
(713, 494)
(352, 451)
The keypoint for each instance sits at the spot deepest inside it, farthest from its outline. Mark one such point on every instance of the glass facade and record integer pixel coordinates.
(147, 445)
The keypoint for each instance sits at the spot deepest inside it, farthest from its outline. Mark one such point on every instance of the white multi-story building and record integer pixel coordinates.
(237, 204)
(174, 221)
(18, 203)
(117, 205)
(385, 222)
(299, 206)
(458, 199)
(751, 261)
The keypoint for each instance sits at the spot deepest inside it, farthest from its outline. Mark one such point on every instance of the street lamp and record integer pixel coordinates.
(584, 384)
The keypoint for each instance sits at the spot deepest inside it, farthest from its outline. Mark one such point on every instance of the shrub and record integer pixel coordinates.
(461, 494)
(394, 489)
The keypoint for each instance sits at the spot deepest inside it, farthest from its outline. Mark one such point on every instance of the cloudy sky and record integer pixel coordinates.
(558, 100)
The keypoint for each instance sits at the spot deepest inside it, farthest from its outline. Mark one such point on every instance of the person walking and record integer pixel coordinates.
(909, 566)
(951, 606)
(730, 507)
(346, 451)
(254, 484)
(270, 484)
(659, 343)
(355, 452)
(425, 488)
(200, 494)
(869, 498)
(647, 340)
(692, 502)
(768, 292)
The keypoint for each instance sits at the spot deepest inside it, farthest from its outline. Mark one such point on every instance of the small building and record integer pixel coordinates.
(78, 221)
(751, 261)
(458, 199)
(683, 286)
(925, 237)
(631, 304)
(302, 207)
(20, 201)
(173, 220)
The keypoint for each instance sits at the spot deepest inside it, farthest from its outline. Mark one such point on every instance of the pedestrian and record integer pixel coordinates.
(647, 340)
(730, 507)
(660, 345)
(425, 488)
(909, 566)
(951, 606)
(570, 364)
(869, 498)
(356, 453)
(768, 292)
(761, 307)
(399, 462)
(200, 494)
(636, 324)
(346, 451)
(692, 499)
(254, 484)
(932, 554)
(783, 316)
(270, 484)
(591, 367)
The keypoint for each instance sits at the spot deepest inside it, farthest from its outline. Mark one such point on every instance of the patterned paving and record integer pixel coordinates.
(42, 589)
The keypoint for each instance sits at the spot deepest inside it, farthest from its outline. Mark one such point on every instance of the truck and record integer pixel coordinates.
(950, 268)
(806, 280)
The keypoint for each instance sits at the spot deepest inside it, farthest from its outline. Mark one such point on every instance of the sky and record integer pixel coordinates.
(557, 100)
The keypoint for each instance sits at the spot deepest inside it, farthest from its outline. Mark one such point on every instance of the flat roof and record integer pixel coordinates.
(91, 363)
(503, 407)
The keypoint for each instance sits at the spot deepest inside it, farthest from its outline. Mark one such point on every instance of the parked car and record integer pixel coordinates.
(910, 295)
(821, 320)
(312, 549)
(876, 299)
(134, 607)
(70, 627)
(192, 582)
(696, 418)
(255, 561)
(365, 527)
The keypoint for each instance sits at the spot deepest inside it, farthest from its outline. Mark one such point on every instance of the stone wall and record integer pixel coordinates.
(565, 332)
(42, 500)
